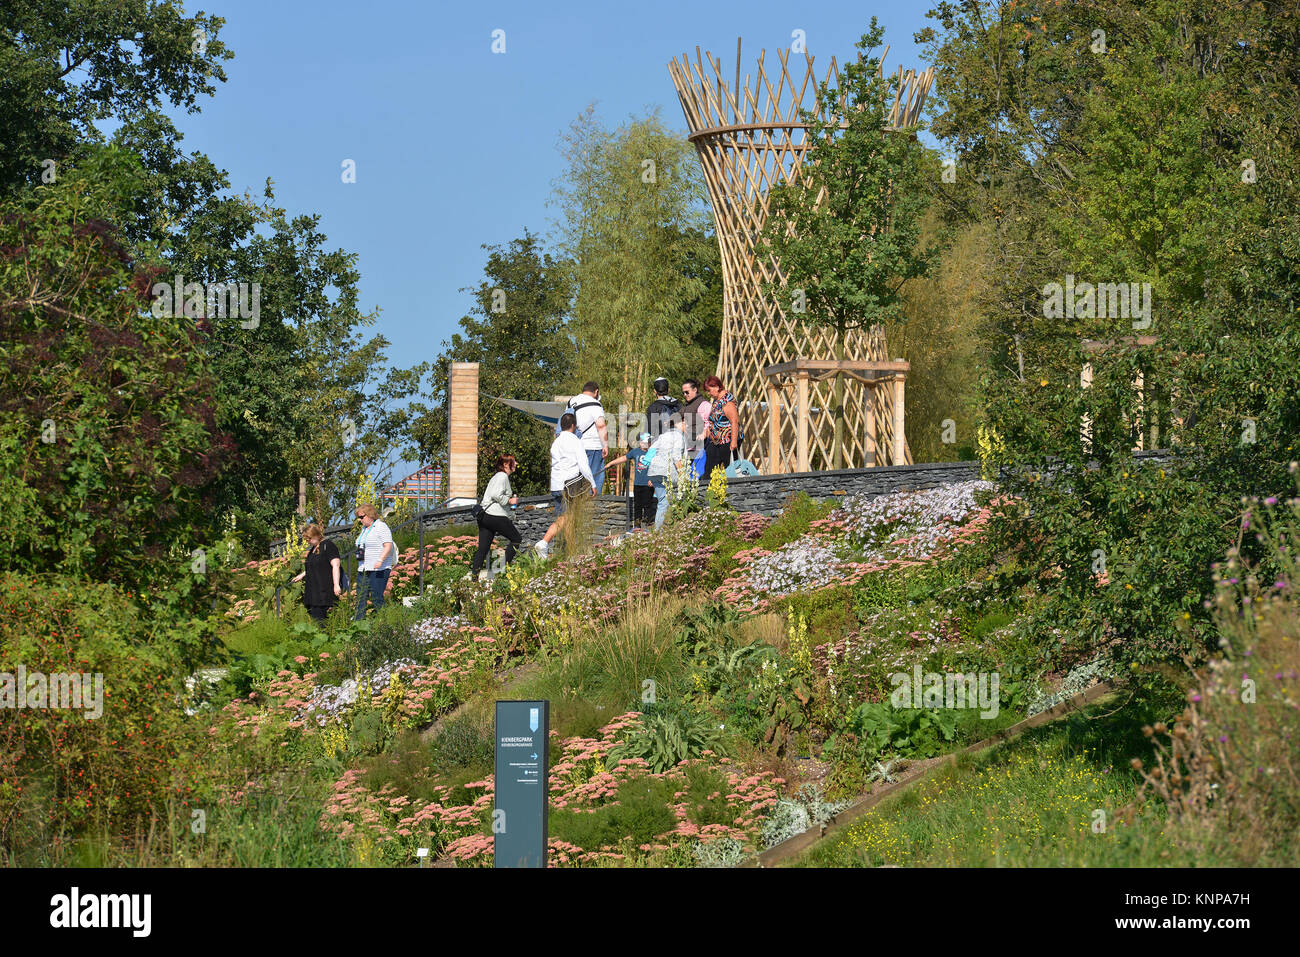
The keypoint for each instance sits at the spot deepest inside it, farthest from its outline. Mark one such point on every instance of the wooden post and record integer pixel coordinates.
(462, 444)
(801, 463)
(302, 497)
(1085, 431)
(898, 455)
(775, 465)
(1139, 383)
(870, 438)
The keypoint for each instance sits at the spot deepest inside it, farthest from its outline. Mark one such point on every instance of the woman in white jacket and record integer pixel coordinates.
(665, 467)
(495, 520)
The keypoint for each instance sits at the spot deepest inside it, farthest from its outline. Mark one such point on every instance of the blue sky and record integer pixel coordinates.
(455, 146)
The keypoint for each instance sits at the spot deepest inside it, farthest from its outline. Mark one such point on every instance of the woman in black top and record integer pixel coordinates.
(321, 567)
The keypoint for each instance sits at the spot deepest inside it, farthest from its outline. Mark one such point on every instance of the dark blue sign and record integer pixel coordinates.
(522, 783)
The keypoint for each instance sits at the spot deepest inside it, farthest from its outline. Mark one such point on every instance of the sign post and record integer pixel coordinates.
(522, 783)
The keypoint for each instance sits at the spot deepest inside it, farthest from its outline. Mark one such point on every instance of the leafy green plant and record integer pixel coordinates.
(669, 735)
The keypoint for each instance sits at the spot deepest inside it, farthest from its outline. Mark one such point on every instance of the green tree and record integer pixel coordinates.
(68, 65)
(846, 233)
(1124, 161)
(517, 334)
(107, 415)
(634, 225)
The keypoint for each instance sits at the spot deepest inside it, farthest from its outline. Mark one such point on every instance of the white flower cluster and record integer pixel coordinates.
(924, 520)
(434, 631)
(801, 565)
(330, 701)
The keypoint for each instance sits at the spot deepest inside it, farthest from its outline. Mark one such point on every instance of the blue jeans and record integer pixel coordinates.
(661, 502)
(372, 584)
(596, 462)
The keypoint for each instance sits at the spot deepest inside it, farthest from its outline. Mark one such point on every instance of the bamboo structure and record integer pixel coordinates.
(751, 137)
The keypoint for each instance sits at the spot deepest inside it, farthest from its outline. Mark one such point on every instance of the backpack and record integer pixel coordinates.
(574, 409)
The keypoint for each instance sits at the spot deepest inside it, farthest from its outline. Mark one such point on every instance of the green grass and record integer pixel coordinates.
(1031, 802)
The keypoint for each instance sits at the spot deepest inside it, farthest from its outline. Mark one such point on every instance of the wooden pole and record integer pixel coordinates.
(1085, 430)
(302, 497)
(802, 447)
(870, 438)
(1139, 383)
(775, 465)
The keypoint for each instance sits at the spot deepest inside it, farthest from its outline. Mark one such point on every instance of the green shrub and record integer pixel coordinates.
(796, 518)
(642, 812)
(465, 741)
(61, 773)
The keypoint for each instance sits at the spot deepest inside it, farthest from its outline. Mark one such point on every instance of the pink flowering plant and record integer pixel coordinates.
(603, 811)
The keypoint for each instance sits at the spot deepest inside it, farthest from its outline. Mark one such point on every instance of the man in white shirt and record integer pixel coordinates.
(379, 553)
(568, 460)
(592, 432)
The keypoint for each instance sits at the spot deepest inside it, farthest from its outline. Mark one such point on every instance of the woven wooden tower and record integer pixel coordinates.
(750, 138)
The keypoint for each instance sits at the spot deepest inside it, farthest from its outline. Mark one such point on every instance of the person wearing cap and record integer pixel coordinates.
(661, 409)
(643, 493)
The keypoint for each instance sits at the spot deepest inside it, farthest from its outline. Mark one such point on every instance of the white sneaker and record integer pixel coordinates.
(543, 548)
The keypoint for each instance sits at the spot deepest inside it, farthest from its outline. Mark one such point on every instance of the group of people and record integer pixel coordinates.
(694, 433)
(322, 569)
(700, 432)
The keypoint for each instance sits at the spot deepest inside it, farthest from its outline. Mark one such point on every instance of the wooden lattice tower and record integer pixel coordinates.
(750, 138)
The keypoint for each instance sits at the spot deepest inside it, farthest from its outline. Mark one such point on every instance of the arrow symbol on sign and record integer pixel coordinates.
(534, 755)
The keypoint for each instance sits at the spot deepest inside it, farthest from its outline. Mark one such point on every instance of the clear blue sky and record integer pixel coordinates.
(456, 146)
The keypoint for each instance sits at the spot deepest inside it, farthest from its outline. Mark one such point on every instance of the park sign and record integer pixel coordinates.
(522, 783)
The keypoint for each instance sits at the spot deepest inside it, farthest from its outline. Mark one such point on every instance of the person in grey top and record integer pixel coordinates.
(494, 520)
(668, 455)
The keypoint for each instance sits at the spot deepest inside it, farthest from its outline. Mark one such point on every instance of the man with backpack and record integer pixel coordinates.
(661, 409)
(591, 430)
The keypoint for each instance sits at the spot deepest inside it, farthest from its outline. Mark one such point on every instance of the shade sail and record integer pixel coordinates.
(548, 412)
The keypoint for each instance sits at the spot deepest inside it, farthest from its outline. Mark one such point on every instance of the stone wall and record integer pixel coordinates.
(532, 518)
(765, 494)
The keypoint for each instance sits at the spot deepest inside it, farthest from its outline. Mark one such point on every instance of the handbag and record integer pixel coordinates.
(699, 462)
(575, 487)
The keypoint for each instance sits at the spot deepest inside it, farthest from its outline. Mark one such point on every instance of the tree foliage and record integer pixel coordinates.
(517, 334)
(1110, 145)
(645, 277)
(108, 428)
(846, 232)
